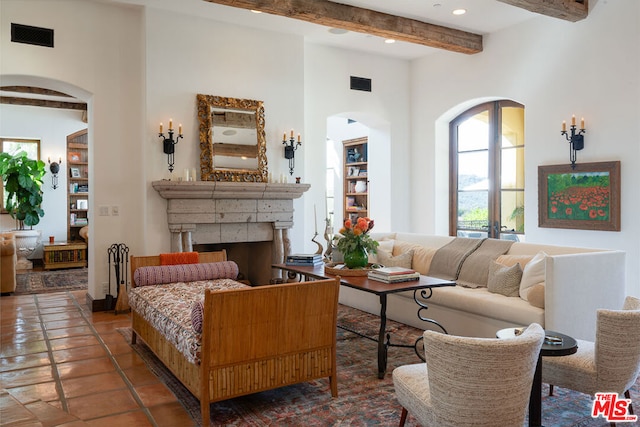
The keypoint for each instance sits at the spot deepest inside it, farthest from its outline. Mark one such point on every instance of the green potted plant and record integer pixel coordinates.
(22, 179)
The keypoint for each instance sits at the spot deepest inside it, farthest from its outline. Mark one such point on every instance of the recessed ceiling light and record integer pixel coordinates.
(338, 31)
(459, 11)
(389, 41)
(256, 11)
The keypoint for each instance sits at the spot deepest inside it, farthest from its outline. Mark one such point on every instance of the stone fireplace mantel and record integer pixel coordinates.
(210, 212)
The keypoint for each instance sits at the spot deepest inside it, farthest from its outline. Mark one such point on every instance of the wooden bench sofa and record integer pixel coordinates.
(253, 338)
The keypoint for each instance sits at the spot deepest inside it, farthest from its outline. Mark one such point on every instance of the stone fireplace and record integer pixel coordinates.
(250, 220)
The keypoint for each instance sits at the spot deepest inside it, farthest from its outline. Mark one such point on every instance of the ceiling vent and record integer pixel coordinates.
(31, 35)
(360, 83)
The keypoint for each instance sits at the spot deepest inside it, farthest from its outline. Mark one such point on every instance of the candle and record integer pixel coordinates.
(284, 136)
(573, 120)
(564, 126)
(192, 176)
(298, 137)
(170, 124)
(582, 123)
(291, 133)
(160, 127)
(180, 128)
(185, 175)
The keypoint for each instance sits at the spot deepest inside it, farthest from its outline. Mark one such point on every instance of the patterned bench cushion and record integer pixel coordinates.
(168, 309)
(160, 274)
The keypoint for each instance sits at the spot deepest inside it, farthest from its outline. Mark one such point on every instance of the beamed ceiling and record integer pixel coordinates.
(323, 13)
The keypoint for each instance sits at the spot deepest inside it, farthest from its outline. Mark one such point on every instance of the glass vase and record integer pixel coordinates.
(357, 258)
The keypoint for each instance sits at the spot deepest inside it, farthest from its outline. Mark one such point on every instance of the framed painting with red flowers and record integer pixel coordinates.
(586, 198)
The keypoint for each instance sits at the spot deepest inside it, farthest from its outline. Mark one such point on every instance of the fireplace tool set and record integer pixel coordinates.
(118, 255)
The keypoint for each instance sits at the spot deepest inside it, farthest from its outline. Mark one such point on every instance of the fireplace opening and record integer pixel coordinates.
(253, 259)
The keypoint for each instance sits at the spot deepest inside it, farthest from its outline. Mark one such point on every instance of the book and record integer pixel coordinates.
(304, 257)
(305, 264)
(392, 271)
(395, 280)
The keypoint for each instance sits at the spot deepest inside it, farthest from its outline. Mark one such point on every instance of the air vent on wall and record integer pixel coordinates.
(360, 83)
(31, 35)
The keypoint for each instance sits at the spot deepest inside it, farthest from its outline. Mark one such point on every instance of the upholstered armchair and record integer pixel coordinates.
(610, 364)
(470, 381)
(8, 260)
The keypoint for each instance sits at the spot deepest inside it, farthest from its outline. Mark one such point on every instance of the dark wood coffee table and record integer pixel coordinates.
(568, 346)
(422, 287)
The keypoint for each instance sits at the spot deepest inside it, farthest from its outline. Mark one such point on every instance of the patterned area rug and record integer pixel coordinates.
(363, 399)
(37, 282)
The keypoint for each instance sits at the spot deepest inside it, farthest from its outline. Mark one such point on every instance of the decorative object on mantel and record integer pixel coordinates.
(169, 144)
(584, 196)
(355, 242)
(290, 148)
(54, 168)
(328, 236)
(239, 151)
(576, 140)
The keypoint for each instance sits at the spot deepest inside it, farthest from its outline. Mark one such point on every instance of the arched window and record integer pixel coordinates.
(487, 172)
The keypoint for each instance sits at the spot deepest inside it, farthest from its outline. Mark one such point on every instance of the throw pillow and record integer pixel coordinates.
(422, 256)
(175, 258)
(404, 260)
(535, 295)
(504, 280)
(510, 260)
(157, 275)
(383, 245)
(533, 272)
(197, 316)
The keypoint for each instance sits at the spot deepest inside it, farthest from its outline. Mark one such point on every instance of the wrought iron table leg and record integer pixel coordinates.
(382, 346)
(423, 306)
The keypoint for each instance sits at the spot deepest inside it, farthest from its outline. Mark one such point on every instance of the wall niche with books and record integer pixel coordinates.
(78, 184)
(356, 178)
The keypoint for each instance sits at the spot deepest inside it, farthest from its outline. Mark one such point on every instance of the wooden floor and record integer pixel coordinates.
(61, 365)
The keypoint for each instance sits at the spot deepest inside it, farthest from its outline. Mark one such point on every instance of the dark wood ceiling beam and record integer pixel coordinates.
(366, 21)
(33, 90)
(569, 10)
(43, 103)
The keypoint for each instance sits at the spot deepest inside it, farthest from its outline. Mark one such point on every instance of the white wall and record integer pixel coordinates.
(51, 126)
(98, 57)
(189, 55)
(556, 69)
(385, 110)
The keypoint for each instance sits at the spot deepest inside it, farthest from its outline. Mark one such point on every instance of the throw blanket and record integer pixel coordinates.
(447, 260)
(474, 272)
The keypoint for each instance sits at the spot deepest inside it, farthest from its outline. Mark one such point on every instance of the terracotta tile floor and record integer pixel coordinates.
(61, 365)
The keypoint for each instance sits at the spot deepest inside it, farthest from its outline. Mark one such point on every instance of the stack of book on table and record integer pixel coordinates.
(393, 274)
(310, 260)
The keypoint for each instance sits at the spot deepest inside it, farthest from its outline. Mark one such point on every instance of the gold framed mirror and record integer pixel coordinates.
(233, 145)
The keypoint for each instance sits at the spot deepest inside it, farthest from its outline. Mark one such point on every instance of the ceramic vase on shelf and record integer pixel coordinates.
(356, 258)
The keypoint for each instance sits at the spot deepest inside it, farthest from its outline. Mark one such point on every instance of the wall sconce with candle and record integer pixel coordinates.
(576, 139)
(290, 147)
(54, 167)
(168, 144)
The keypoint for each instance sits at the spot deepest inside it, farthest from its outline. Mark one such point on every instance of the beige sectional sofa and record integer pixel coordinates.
(571, 284)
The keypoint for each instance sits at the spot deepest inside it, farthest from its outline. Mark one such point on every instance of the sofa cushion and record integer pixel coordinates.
(448, 259)
(156, 275)
(533, 273)
(487, 304)
(422, 256)
(475, 267)
(504, 280)
(197, 315)
(388, 260)
(383, 245)
(535, 295)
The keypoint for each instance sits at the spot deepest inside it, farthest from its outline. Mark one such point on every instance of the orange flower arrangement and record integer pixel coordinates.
(356, 236)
